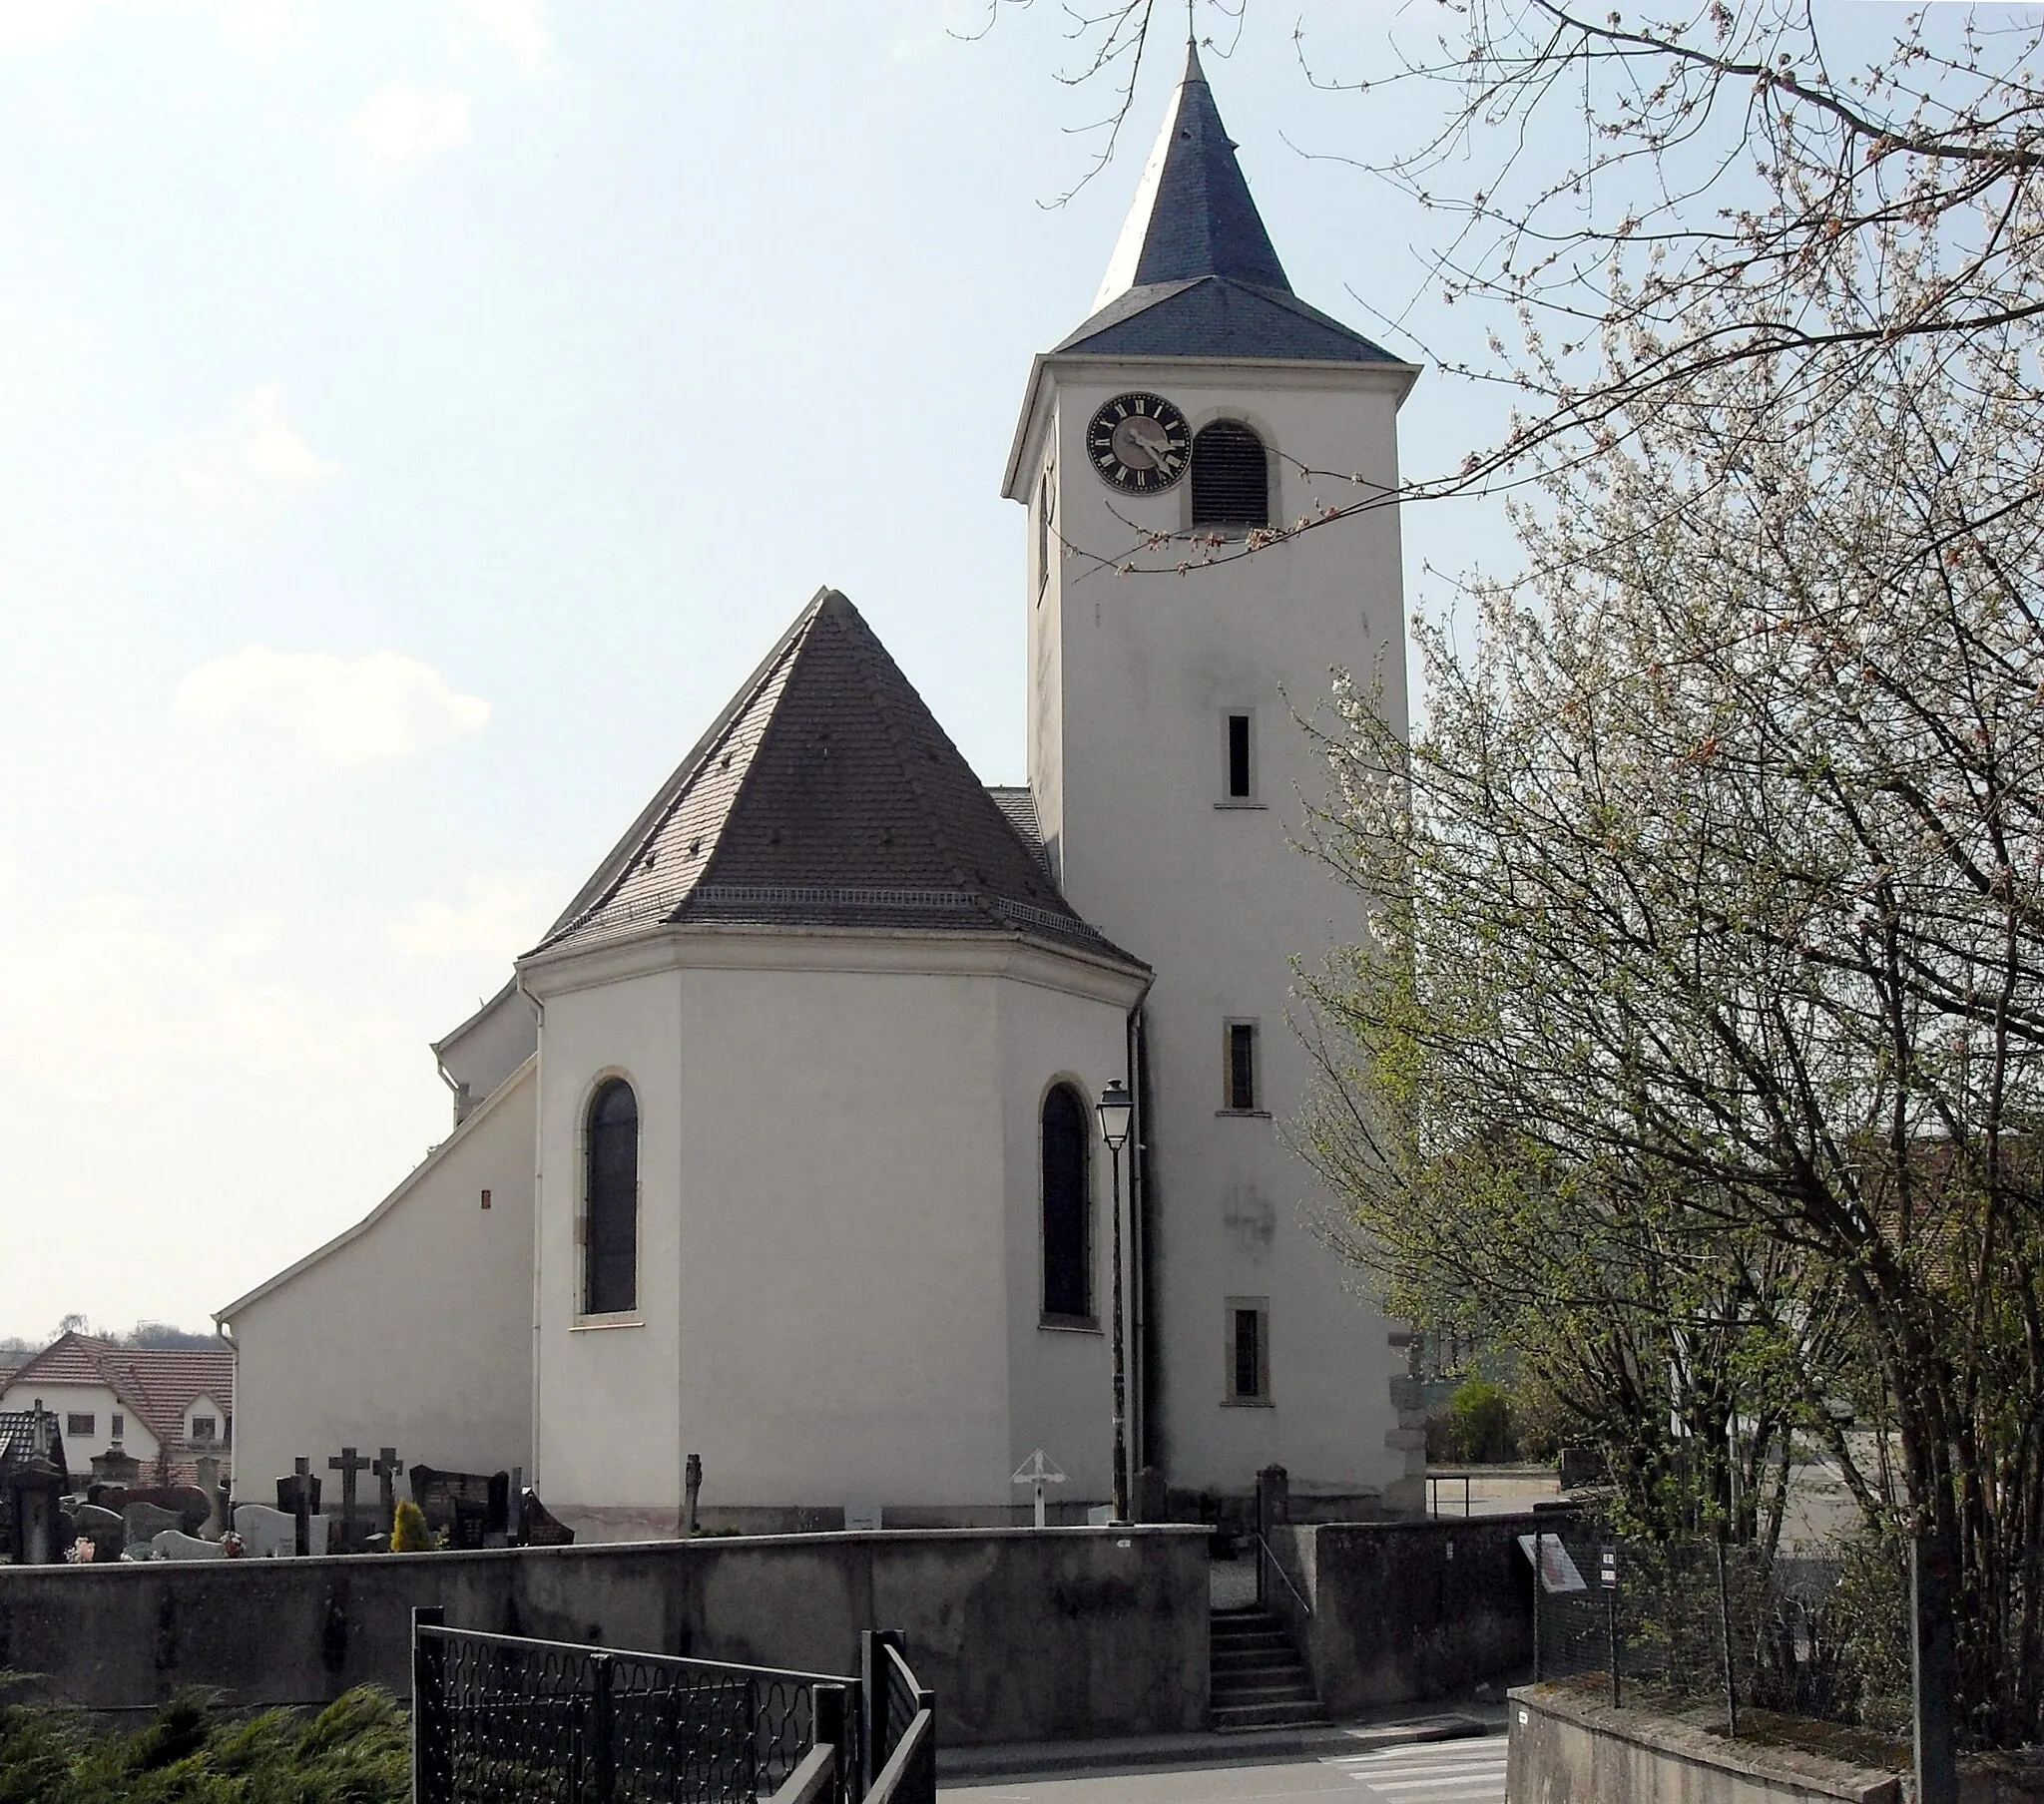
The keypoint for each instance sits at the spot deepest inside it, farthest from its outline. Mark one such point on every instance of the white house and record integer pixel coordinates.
(781, 1148)
(163, 1407)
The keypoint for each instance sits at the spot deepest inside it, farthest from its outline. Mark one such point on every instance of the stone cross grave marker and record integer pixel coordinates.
(388, 1468)
(347, 1463)
(300, 1493)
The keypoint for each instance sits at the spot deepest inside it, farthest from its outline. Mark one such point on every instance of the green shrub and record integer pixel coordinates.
(408, 1531)
(1475, 1430)
(357, 1751)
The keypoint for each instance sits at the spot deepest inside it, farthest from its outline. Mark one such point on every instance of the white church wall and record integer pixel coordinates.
(605, 1389)
(412, 1329)
(1060, 1379)
(1216, 896)
(836, 1177)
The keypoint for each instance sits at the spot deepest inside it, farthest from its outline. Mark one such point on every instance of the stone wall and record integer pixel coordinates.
(1568, 1751)
(1025, 1635)
(1406, 1610)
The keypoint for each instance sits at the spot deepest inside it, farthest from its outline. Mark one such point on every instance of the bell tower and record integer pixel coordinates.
(1199, 410)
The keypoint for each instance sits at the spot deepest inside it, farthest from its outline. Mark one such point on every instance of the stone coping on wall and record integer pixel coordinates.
(1808, 1774)
(583, 1549)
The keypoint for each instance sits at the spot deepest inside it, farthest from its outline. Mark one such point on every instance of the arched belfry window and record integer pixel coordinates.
(1067, 1206)
(611, 1244)
(1231, 477)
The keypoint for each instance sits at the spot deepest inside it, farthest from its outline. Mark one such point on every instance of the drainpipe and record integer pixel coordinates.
(539, 1008)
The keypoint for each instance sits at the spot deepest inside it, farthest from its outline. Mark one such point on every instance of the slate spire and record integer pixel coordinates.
(1193, 215)
(1194, 273)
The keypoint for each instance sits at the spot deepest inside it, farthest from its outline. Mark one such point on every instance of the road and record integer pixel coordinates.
(1433, 1772)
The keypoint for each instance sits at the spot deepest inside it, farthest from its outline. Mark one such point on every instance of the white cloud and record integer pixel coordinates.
(331, 711)
(500, 917)
(521, 26)
(255, 458)
(402, 125)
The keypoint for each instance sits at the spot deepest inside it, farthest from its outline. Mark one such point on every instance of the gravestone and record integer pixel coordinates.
(174, 1544)
(115, 1466)
(347, 1463)
(542, 1528)
(186, 1502)
(107, 1497)
(388, 1468)
(467, 1505)
(143, 1522)
(216, 1495)
(298, 1497)
(266, 1534)
(103, 1528)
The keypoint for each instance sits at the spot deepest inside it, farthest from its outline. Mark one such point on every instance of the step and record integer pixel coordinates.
(1269, 1643)
(1234, 1718)
(1255, 1686)
(1259, 1659)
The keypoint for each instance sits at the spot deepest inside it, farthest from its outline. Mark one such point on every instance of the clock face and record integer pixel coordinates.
(1138, 442)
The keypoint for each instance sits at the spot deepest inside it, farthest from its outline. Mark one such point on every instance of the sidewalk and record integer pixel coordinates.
(1465, 1717)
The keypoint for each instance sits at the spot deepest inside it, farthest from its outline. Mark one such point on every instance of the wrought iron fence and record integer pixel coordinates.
(503, 1719)
(901, 1744)
(1821, 1636)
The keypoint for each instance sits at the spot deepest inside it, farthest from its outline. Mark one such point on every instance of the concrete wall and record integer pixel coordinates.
(1026, 1636)
(412, 1329)
(1567, 1750)
(1409, 1609)
(1133, 679)
(838, 1266)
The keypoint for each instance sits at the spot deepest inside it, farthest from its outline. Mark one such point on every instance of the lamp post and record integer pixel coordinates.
(1116, 1106)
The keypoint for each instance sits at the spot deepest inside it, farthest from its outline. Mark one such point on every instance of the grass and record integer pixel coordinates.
(355, 1751)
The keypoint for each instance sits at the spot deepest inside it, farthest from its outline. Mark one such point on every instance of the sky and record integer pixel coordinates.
(416, 417)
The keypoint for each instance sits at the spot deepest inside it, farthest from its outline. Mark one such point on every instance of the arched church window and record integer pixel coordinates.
(1231, 477)
(1067, 1206)
(611, 1245)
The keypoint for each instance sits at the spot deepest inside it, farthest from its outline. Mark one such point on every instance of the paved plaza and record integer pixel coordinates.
(1467, 1771)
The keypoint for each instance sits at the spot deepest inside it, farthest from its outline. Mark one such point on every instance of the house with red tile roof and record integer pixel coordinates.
(165, 1407)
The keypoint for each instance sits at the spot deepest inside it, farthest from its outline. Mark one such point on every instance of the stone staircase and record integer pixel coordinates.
(1259, 1681)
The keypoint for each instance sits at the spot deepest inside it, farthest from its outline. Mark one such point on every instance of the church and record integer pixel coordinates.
(782, 1148)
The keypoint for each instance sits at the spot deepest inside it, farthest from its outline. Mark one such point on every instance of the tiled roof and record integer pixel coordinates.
(156, 1384)
(1018, 804)
(826, 796)
(1194, 273)
(23, 1437)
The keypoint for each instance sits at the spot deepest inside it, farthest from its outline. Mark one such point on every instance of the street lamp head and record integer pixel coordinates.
(1116, 1106)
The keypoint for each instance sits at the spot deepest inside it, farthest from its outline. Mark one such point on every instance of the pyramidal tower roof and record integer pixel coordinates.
(1194, 273)
(824, 795)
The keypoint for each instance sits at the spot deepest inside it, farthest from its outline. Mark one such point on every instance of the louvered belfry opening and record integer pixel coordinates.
(1231, 479)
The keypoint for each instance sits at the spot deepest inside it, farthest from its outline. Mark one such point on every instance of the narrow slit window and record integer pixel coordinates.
(1239, 774)
(1046, 519)
(1248, 1350)
(1241, 1065)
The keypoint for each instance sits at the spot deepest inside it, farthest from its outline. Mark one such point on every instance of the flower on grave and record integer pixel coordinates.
(80, 1552)
(231, 1546)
